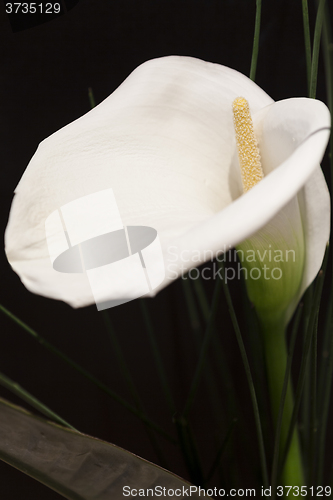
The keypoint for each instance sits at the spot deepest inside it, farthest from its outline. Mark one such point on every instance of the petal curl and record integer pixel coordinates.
(292, 136)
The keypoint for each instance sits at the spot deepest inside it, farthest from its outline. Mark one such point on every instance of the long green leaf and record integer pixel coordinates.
(77, 466)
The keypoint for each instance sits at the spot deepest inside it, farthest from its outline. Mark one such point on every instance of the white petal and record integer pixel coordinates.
(315, 205)
(163, 141)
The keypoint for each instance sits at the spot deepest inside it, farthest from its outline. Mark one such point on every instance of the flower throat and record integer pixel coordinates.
(247, 146)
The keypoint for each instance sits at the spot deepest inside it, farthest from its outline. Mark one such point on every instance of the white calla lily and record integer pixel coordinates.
(164, 141)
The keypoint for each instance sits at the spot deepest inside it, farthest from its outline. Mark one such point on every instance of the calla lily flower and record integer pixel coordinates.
(164, 141)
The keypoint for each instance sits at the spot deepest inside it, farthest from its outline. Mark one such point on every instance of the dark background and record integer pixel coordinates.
(45, 74)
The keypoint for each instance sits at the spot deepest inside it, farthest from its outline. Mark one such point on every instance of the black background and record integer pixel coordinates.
(45, 74)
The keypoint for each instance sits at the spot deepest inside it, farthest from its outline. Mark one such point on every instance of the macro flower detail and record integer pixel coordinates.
(275, 295)
(248, 151)
(164, 142)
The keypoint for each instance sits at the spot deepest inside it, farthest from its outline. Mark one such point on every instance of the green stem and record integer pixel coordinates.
(32, 401)
(316, 45)
(189, 450)
(306, 394)
(221, 450)
(313, 413)
(305, 356)
(307, 40)
(276, 364)
(326, 372)
(328, 63)
(255, 48)
(275, 465)
(325, 405)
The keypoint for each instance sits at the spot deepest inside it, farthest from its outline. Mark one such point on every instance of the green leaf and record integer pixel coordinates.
(77, 466)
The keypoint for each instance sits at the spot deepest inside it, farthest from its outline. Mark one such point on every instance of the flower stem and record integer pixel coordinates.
(255, 48)
(307, 40)
(315, 50)
(275, 466)
(276, 363)
(305, 356)
(16, 389)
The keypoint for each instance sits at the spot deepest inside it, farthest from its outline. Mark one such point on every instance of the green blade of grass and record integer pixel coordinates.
(316, 46)
(85, 373)
(255, 49)
(189, 449)
(326, 372)
(313, 406)
(305, 418)
(307, 40)
(324, 359)
(219, 358)
(221, 450)
(305, 356)
(19, 391)
(328, 63)
(245, 360)
(325, 404)
(210, 382)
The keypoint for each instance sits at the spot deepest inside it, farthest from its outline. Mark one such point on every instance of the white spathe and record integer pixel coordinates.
(164, 142)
